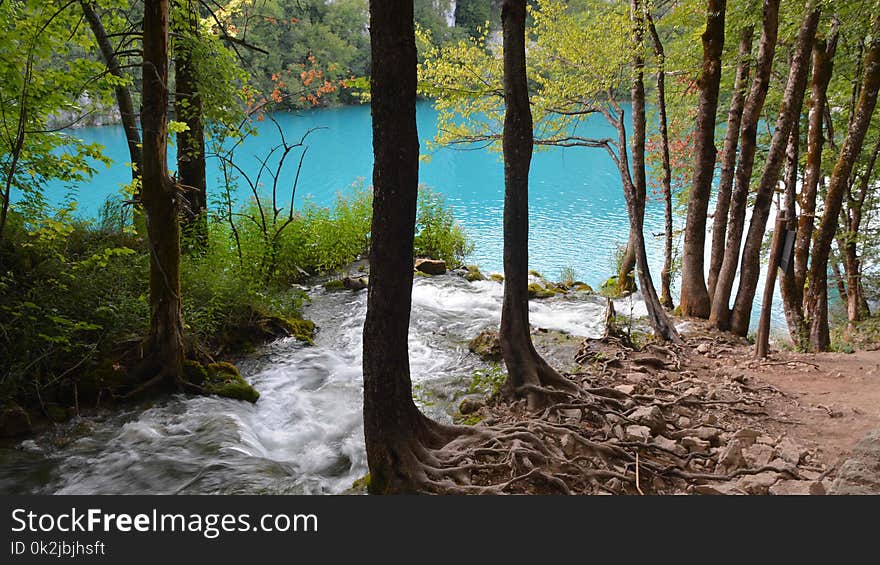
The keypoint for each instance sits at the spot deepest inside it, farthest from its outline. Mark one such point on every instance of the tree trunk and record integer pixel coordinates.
(160, 200)
(395, 431)
(792, 102)
(817, 294)
(823, 63)
(792, 296)
(694, 295)
(666, 273)
(855, 298)
(626, 282)
(191, 142)
(123, 94)
(527, 371)
(636, 192)
(728, 155)
(720, 315)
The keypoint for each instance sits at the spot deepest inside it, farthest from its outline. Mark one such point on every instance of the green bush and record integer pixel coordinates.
(438, 235)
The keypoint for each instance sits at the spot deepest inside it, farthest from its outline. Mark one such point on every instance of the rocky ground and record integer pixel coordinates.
(706, 417)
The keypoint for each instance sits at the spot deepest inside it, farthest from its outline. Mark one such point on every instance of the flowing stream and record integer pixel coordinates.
(305, 434)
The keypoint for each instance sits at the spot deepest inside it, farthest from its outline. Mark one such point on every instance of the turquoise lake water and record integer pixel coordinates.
(578, 213)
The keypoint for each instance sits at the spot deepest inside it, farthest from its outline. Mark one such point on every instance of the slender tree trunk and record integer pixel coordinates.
(666, 273)
(527, 371)
(626, 282)
(855, 298)
(636, 193)
(395, 431)
(191, 142)
(720, 315)
(817, 295)
(792, 102)
(160, 196)
(694, 295)
(823, 63)
(122, 92)
(728, 155)
(791, 295)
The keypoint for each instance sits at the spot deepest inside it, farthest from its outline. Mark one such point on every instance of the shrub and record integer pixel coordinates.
(438, 235)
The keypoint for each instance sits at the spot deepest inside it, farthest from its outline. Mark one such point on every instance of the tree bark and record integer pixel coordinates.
(817, 294)
(160, 199)
(791, 296)
(395, 431)
(666, 183)
(792, 102)
(694, 295)
(794, 283)
(191, 142)
(122, 92)
(720, 315)
(856, 304)
(728, 155)
(636, 192)
(527, 371)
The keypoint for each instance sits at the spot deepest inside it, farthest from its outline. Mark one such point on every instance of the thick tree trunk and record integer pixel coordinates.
(794, 281)
(694, 295)
(728, 155)
(792, 102)
(720, 315)
(395, 431)
(160, 200)
(123, 94)
(636, 192)
(666, 273)
(191, 142)
(527, 371)
(817, 294)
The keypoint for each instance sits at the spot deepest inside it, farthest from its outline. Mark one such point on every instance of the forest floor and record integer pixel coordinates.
(705, 417)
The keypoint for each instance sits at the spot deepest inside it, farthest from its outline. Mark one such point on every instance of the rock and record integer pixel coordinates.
(789, 451)
(354, 283)
(14, 421)
(664, 442)
(758, 455)
(582, 287)
(625, 389)
(797, 488)
(487, 345)
(684, 422)
(224, 380)
(766, 440)
(431, 266)
(649, 416)
(731, 458)
(635, 377)
(538, 291)
(718, 489)
(618, 432)
(473, 274)
(704, 348)
(497, 277)
(759, 483)
(638, 433)
(748, 436)
(470, 404)
(695, 444)
(860, 474)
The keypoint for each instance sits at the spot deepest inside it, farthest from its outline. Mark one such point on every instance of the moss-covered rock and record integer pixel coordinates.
(496, 277)
(473, 274)
(536, 274)
(301, 329)
(362, 484)
(333, 285)
(224, 380)
(14, 420)
(487, 345)
(538, 291)
(582, 287)
(431, 266)
(194, 372)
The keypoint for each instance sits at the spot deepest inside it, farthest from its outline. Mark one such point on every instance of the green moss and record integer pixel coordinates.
(470, 420)
(582, 287)
(303, 330)
(336, 284)
(421, 274)
(535, 273)
(362, 484)
(538, 291)
(473, 274)
(225, 380)
(496, 277)
(194, 372)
